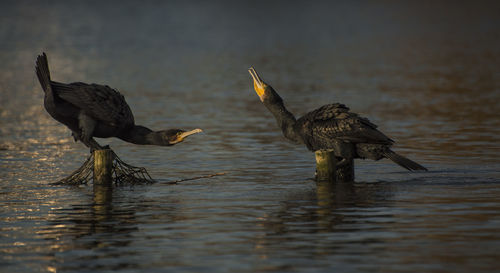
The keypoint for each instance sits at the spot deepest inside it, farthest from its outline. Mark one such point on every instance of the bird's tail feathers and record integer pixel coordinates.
(42, 71)
(404, 162)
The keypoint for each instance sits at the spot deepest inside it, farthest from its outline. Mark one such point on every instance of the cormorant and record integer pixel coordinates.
(331, 127)
(94, 110)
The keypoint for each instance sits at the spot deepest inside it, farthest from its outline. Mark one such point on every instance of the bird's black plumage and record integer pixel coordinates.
(331, 127)
(94, 110)
(333, 122)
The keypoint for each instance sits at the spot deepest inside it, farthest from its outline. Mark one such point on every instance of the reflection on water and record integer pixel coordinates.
(428, 75)
(98, 226)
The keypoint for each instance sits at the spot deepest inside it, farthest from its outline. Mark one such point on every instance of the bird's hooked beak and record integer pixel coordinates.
(259, 85)
(181, 136)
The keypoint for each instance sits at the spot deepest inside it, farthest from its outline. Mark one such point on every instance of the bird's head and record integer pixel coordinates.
(174, 136)
(262, 89)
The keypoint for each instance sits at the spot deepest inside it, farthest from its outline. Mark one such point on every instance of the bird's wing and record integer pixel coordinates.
(101, 102)
(334, 121)
(351, 129)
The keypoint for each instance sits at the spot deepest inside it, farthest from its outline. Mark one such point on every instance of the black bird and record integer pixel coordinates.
(93, 110)
(331, 127)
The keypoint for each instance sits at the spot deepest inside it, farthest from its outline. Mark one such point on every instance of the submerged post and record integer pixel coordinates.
(329, 169)
(103, 167)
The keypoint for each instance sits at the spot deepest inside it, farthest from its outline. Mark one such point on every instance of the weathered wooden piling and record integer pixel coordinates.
(329, 168)
(103, 167)
(325, 165)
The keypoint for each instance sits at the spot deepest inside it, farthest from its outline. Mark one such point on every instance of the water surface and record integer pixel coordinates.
(426, 73)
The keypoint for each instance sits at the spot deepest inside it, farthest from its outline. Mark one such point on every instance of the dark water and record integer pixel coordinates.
(426, 72)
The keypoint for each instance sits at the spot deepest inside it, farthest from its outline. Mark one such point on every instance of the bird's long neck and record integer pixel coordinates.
(142, 135)
(284, 118)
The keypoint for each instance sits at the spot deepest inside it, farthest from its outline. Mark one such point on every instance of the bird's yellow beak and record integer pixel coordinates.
(180, 137)
(258, 84)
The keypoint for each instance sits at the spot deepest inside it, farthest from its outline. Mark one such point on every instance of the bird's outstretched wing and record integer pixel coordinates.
(100, 102)
(334, 122)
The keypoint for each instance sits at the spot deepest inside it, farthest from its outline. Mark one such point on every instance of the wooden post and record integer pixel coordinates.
(103, 167)
(328, 169)
(325, 165)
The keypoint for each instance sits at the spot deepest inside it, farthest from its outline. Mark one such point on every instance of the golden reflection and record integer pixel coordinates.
(322, 210)
(327, 193)
(103, 196)
(70, 220)
(333, 196)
